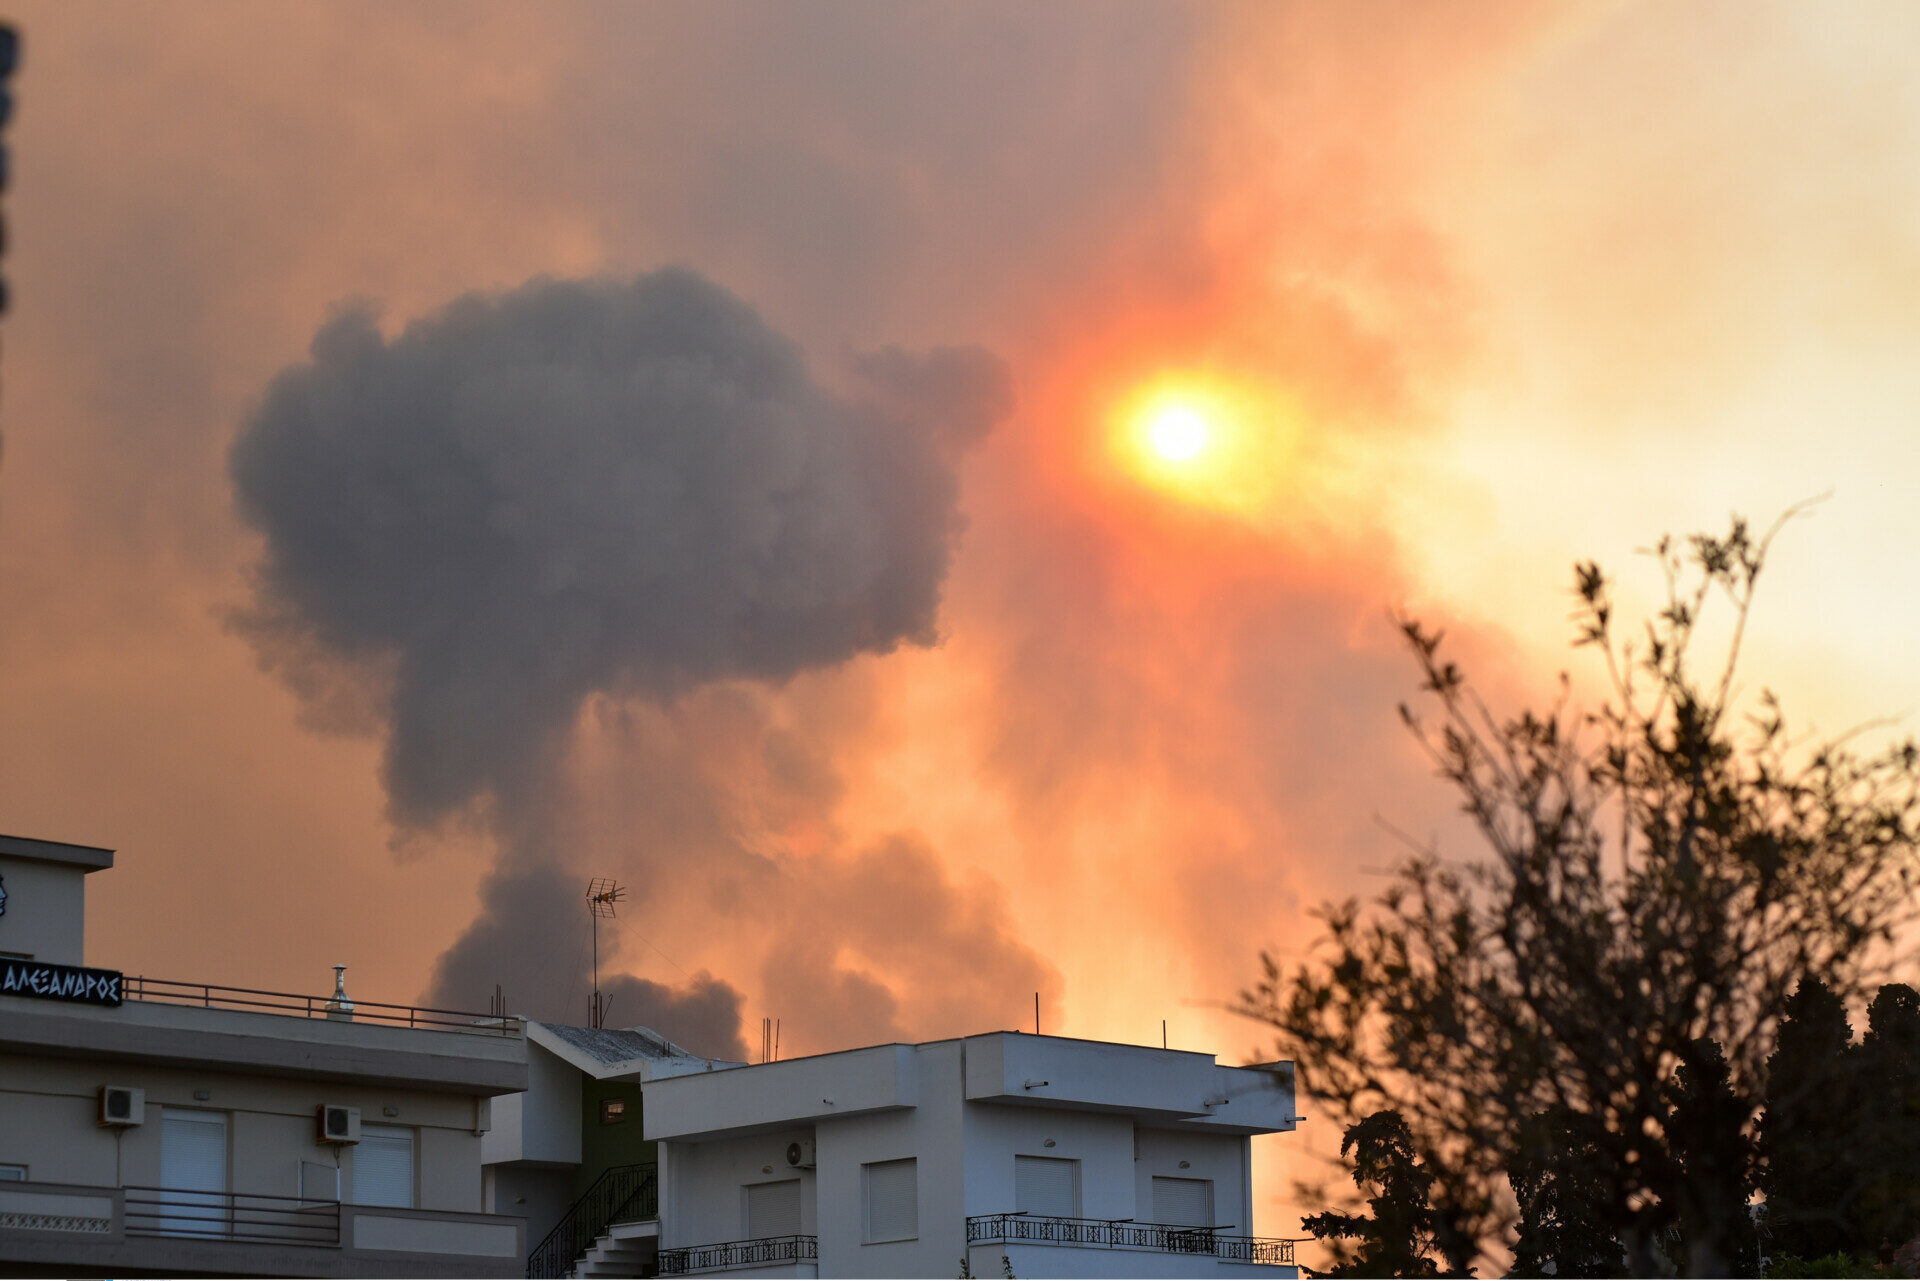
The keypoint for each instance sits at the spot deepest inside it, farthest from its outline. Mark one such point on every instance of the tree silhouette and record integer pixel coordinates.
(1705, 1129)
(1810, 1134)
(1561, 1191)
(1661, 871)
(1397, 1238)
(1888, 1146)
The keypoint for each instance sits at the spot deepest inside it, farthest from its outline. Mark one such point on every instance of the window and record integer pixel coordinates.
(892, 1194)
(383, 1166)
(13, 1173)
(193, 1170)
(1046, 1185)
(1185, 1202)
(613, 1111)
(773, 1209)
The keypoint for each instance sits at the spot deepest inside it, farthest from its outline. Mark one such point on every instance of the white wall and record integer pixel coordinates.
(541, 1123)
(702, 1197)
(931, 1133)
(45, 915)
(49, 1112)
(1218, 1157)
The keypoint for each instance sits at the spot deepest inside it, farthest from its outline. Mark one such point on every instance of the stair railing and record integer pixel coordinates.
(621, 1191)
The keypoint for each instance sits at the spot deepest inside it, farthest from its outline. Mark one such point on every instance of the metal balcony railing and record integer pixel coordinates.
(1169, 1238)
(214, 996)
(251, 1217)
(754, 1252)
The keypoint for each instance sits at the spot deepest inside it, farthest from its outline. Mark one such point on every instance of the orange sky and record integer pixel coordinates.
(1479, 290)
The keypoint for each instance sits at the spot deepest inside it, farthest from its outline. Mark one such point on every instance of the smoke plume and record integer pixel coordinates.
(628, 491)
(589, 485)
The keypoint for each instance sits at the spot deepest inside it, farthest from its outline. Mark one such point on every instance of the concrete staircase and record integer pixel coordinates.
(623, 1250)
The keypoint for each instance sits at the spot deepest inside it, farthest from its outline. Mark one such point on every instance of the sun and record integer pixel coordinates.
(1178, 432)
(1207, 440)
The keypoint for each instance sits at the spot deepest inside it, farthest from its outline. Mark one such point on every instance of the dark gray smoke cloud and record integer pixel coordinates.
(594, 489)
(589, 486)
(529, 942)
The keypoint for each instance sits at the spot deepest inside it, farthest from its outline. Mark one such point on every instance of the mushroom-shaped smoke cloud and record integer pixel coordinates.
(590, 486)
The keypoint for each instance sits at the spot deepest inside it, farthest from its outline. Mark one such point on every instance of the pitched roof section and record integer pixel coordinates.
(608, 1046)
(628, 1053)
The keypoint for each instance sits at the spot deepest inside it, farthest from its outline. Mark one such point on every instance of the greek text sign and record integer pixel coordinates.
(59, 982)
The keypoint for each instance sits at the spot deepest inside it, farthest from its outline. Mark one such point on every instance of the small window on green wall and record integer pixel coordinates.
(613, 1111)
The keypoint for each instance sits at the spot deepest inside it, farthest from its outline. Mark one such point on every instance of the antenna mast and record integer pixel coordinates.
(602, 894)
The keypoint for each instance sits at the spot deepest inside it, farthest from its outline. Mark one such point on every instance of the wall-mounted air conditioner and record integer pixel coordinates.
(800, 1154)
(122, 1105)
(339, 1124)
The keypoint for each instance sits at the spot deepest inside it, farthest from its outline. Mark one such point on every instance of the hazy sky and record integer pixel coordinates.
(455, 452)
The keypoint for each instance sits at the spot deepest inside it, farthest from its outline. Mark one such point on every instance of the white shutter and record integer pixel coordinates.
(1046, 1185)
(1185, 1202)
(193, 1169)
(893, 1200)
(383, 1166)
(773, 1209)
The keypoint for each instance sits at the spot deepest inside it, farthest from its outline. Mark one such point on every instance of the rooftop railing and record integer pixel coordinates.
(215, 996)
(1124, 1234)
(754, 1252)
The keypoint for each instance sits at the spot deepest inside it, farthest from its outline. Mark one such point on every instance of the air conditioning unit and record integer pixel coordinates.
(122, 1105)
(338, 1124)
(800, 1154)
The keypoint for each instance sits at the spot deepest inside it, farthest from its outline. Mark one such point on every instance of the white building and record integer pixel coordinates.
(185, 1128)
(1062, 1157)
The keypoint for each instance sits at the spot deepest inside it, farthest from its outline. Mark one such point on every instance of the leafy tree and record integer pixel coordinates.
(1558, 1184)
(1810, 1134)
(1888, 1147)
(1660, 872)
(1396, 1240)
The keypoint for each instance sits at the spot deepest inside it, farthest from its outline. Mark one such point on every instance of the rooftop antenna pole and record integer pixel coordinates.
(602, 894)
(1036, 1014)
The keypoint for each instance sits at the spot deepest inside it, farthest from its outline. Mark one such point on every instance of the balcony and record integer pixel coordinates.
(1156, 1249)
(788, 1256)
(113, 1229)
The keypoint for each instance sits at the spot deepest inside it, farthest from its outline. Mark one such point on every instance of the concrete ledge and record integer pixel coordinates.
(428, 1232)
(739, 1100)
(272, 1044)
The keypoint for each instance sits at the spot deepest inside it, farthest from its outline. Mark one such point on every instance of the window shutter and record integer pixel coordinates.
(773, 1209)
(1185, 1202)
(383, 1166)
(193, 1167)
(893, 1200)
(1046, 1185)
(193, 1150)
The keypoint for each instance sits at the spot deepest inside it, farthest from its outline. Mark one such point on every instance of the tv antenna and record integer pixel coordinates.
(602, 894)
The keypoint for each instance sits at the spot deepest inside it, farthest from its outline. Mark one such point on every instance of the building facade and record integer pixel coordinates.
(1044, 1156)
(570, 1154)
(149, 1126)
